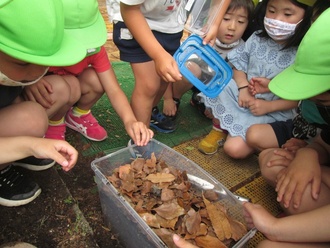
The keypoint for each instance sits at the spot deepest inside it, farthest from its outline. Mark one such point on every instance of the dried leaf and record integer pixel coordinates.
(209, 242)
(238, 229)
(166, 223)
(150, 219)
(193, 221)
(219, 221)
(124, 169)
(160, 178)
(167, 195)
(169, 210)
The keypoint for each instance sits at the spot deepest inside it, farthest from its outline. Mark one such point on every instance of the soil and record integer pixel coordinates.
(66, 214)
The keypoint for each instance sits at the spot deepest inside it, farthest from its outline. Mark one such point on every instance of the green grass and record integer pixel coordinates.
(190, 124)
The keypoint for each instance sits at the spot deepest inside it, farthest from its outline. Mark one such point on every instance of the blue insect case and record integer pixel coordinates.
(202, 66)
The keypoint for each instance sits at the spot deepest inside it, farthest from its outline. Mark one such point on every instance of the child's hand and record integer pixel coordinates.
(244, 98)
(39, 92)
(139, 132)
(181, 243)
(293, 180)
(167, 68)
(258, 85)
(257, 216)
(294, 144)
(60, 151)
(259, 107)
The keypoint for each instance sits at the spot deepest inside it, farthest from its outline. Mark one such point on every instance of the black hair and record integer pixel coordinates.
(301, 28)
(318, 8)
(248, 5)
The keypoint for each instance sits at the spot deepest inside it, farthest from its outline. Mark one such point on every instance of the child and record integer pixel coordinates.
(23, 60)
(279, 132)
(147, 33)
(301, 177)
(95, 76)
(264, 55)
(228, 37)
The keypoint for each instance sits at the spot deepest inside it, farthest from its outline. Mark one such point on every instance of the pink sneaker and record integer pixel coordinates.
(56, 132)
(87, 125)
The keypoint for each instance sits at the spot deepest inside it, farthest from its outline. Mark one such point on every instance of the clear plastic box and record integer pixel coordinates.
(201, 15)
(123, 219)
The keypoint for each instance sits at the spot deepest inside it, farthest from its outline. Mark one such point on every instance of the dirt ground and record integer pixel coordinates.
(66, 214)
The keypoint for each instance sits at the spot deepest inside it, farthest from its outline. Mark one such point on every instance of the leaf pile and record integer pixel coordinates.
(165, 199)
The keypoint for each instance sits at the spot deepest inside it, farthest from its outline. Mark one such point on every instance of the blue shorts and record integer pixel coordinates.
(283, 131)
(131, 51)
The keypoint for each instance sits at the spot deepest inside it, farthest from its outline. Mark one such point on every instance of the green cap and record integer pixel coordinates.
(307, 2)
(33, 31)
(84, 20)
(310, 74)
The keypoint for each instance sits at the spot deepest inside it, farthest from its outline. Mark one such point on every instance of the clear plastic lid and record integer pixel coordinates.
(201, 15)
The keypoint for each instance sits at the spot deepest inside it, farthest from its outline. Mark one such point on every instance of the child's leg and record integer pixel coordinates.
(255, 137)
(26, 118)
(66, 91)
(237, 148)
(80, 118)
(146, 88)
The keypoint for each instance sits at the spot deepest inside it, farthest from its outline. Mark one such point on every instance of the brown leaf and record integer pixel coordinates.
(150, 219)
(124, 169)
(193, 220)
(166, 223)
(169, 210)
(167, 195)
(160, 178)
(137, 164)
(219, 221)
(238, 229)
(211, 195)
(209, 242)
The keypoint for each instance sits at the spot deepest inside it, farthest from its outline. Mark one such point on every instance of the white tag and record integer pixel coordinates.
(125, 34)
(189, 5)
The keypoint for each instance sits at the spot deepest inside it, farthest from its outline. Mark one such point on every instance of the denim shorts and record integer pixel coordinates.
(283, 131)
(131, 51)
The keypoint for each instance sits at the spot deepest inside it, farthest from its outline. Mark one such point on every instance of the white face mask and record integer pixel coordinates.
(279, 30)
(4, 80)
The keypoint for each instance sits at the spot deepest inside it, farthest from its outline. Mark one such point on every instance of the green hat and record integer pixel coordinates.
(84, 20)
(310, 74)
(307, 2)
(33, 31)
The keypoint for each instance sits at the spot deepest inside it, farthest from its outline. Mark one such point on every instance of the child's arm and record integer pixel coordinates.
(212, 33)
(166, 66)
(138, 131)
(19, 147)
(262, 107)
(244, 96)
(312, 226)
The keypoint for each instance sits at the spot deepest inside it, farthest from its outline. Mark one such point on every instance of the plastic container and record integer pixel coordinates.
(202, 66)
(201, 15)
(122, 218)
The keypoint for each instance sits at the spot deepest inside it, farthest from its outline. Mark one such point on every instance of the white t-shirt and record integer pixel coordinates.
(166, 16)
